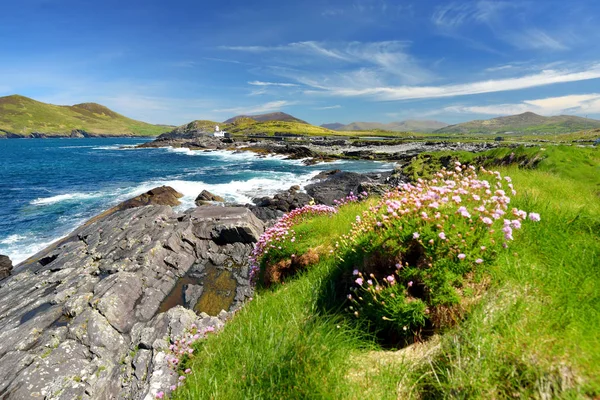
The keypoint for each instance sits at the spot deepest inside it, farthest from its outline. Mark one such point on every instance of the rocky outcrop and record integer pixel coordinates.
(91, 316)
(5, 266)
(335, 184)
(205, 197)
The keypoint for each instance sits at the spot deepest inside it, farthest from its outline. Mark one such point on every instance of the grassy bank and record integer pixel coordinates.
(532, 334)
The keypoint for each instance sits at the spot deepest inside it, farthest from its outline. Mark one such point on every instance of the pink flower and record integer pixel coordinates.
(359, 281)
(461, 256)
(416, 235)
(355, 272)
(410, 283)
(188, 371)
(182, 378)
(160, 395)
(442, 235)
(487, 220)
(390, 278)
(370, 282)
(479, 261)
(173, 387)
(535, 217)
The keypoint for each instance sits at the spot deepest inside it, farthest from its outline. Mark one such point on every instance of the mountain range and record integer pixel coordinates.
(410, 125)
(527, 122)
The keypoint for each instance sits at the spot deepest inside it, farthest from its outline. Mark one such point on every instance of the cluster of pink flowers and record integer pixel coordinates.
(182, 347)
(351, 198)
(281, 231)
(457, 192)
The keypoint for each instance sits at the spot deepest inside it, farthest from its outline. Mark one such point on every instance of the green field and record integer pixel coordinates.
(23, 116)
(533, 333)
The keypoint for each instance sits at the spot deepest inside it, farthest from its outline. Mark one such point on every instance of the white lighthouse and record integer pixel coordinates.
(218, 132)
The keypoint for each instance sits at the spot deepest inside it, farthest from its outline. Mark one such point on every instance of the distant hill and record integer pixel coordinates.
(275, 116)
(410, 125)
(335, 126)
(24, 117)
(524, 123)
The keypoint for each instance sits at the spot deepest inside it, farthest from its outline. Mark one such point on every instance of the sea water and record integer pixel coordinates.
(48, 187)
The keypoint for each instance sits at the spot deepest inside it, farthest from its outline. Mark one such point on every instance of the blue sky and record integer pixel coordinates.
(323, 61)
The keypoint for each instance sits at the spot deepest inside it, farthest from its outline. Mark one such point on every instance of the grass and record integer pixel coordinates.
(22, 116)
(534, 334)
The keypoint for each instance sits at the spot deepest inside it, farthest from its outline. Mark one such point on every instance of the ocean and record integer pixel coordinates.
(48, 187)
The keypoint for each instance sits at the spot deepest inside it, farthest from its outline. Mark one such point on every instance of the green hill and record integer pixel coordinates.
(524, 123)
(24, 117)
(274, 116)
(248, 126)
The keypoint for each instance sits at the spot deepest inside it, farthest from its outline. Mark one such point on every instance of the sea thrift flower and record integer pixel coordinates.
(359, 281)
(535, 217)
(355, 272)
(461, 256)
(160, 395)
(442, 236)
(479, 261)
(416, 235)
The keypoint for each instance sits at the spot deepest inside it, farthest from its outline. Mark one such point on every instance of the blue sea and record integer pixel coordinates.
(48, 187)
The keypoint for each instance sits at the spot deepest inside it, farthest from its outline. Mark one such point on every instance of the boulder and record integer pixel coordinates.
(335, 185)
(205, 196)
(5, 266)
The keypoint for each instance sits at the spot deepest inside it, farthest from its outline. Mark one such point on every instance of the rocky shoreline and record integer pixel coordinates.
(314, 150)
(93, 315)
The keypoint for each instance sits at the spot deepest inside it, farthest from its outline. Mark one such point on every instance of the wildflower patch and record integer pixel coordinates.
(412, 259)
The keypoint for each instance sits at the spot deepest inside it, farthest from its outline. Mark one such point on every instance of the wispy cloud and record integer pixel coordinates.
(328, 107)
(454, 15)
(546, 77)
(581, 104)
(535, 39)
(261, 83)
(259, 108)
(381, 59)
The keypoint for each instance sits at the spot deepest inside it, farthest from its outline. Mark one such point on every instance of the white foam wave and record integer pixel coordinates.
(44, 201)
(117, 147)
(12, 239)
(26, 247)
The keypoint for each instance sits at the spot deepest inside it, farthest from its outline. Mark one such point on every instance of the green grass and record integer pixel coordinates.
(534, 334)
(22, 116)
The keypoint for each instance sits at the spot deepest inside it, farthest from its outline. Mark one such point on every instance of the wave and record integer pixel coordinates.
(25, 247)
(12, 239)
(117, 147)
(44, 201)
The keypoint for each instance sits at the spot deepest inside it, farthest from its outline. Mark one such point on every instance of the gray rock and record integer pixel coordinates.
(5, 266)
(81, 318)
(205, 197)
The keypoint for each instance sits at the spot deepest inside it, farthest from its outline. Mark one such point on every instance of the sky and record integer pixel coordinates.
(175, 61)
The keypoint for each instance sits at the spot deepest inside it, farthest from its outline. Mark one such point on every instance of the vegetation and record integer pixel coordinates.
(23, 116)
(532, 333)
(400, 126)
(248, 126)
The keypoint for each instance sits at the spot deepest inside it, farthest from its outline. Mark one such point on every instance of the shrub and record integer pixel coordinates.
(414, 259)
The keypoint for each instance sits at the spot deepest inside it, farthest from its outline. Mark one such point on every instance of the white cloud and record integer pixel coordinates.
(388, 59)
(387, 93)
(261, 83)
(328, 107)
(535, 39)
(581, 104)
(452, 16)
(257, 109)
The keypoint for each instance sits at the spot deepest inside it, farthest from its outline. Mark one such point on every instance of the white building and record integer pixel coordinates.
(218, 132)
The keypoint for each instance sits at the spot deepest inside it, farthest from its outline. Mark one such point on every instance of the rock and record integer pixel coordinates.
(206, 196)
(335, 185)
(5, 266)
(81, 311)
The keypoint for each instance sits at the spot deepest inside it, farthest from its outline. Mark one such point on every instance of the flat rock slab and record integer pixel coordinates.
(74, 317)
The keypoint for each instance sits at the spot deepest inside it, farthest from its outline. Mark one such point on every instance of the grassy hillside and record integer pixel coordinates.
(22, 116)
(531, 333)
(274, 116)
(526, 123)
(247, 126)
